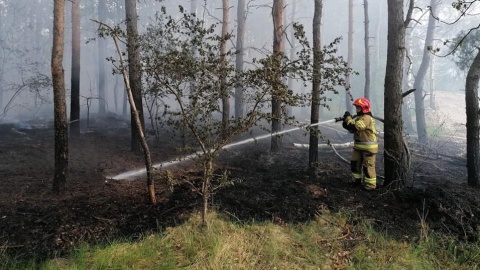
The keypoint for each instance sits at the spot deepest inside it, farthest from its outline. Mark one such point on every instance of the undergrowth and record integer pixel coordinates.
(328, 242)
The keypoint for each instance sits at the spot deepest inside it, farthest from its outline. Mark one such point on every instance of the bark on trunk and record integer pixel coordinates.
(277, 14)
(102, 16)
(473, 128)
(317, 65)
(379, 23)
(2, 64)
(395, 156)
(420, 78)
(223, 59)
(138, 123)
(287, 107)
(60, 114)
(432, 85)
(75, 77)
(116, 93)
(292, 51)
(241, 20)
(207, 177)
(348, 83)
(135, 74)
(367, 51)
(407, 83)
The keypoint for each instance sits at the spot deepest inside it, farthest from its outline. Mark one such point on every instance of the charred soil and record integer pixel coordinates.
(36, 224)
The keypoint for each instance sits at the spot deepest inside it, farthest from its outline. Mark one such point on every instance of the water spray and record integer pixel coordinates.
(138, 172)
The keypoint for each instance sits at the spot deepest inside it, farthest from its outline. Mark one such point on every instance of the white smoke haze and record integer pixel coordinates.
(25, 43)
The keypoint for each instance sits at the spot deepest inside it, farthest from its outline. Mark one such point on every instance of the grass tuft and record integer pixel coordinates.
(327, 242)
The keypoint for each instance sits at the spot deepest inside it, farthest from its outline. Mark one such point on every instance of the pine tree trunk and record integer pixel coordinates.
(317, 65)
(60, 113)
(395, 153)
(2, 63)
(348, 83)
(432, 85)
(135, 73)
(116, 92)
(223, 59)
(75, 78)
(287, 108)
(367, 51)
(277, 14)
(420, 78)
(292, 52)
(473, 128)
(407, 83)
(101, 45)
(241, 21)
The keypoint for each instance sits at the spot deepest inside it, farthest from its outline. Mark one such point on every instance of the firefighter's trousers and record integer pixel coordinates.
(363, 168)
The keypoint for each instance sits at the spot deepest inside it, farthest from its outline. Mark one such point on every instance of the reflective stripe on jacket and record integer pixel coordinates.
(365, 135)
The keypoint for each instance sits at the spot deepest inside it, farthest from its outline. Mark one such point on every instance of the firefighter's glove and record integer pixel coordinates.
(347, 117)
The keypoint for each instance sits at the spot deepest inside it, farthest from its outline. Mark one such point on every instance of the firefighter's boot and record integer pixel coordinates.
(370, 183)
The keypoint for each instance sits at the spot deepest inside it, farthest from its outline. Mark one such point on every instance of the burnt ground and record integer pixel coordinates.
(34, 223)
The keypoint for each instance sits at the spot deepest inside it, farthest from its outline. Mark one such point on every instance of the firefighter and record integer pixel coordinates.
(365, 147)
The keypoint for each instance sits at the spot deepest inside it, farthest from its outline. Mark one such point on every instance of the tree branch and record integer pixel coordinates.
(408, 92)
(408, 18)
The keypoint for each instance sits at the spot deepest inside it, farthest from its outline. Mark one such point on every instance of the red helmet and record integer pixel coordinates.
(363, 103)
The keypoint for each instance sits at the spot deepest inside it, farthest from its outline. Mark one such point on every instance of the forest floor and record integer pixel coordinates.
(34, 223)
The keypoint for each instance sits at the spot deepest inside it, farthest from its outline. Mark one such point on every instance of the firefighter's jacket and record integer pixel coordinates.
(364, 132)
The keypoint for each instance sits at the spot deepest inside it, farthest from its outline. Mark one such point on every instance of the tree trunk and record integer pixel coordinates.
(223, 60)
(292, 51)
(241, 21)
(473, 128)
(348, 80)
(135, 73)
(75, 77)
(121, 93)
(138, 123)
(395, 156)
(3, 60)
(277, 14)
(407, 83)
(432, 85)
(377, 66)
(287, 107)
(317, 65)
(101, 45)
(124, 104)
(420, 78)
(193, 11)
(207, 177)
(116, 93)
(2, 68)
(367, 51)
(60, 113)
(193, 7)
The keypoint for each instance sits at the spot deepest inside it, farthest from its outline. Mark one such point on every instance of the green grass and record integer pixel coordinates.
(328, 242)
